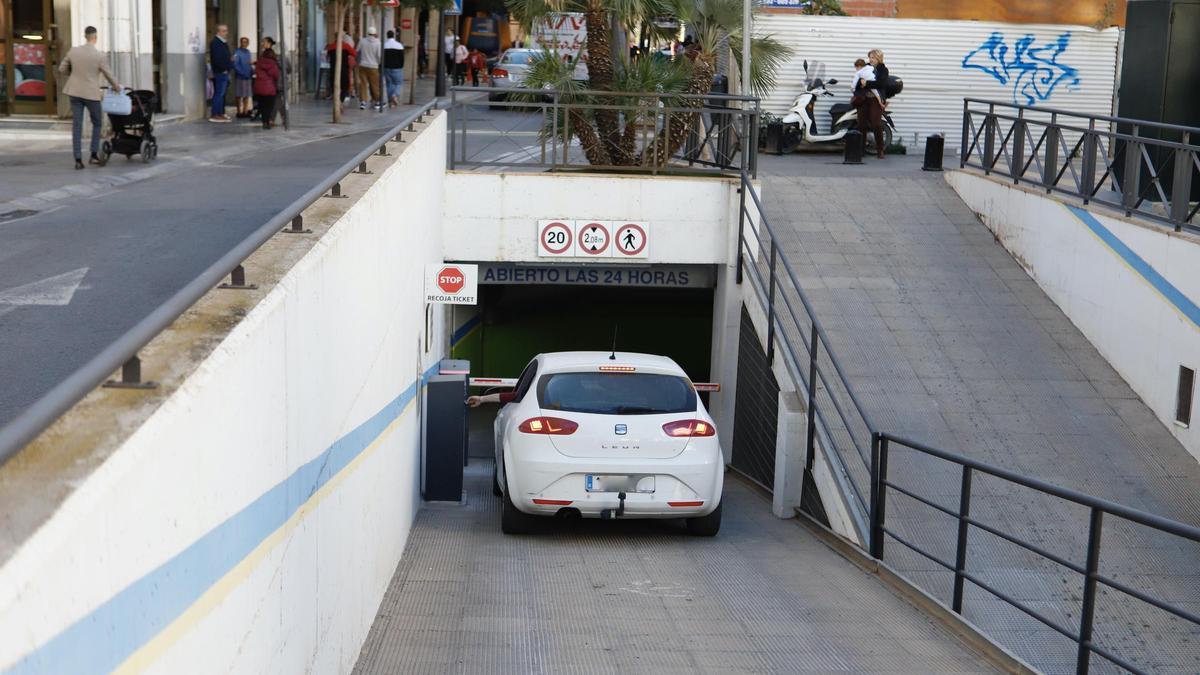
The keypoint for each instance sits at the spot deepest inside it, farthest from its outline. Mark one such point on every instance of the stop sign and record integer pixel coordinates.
(450, 280)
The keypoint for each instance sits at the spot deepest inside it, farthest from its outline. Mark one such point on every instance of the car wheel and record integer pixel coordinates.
(513, 521)
(496, 482)
(705, 526)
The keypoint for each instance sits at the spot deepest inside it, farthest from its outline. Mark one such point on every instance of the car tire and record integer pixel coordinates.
(705, 526)
(496, 491)
(513, 521)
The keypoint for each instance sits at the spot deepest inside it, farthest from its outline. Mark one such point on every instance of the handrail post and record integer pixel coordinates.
(966, 130)
(1087, 175)
(960, 557)
(989, 140)
(741, 224)
(1018, 154)
(1086, 615)
(1133, 171)
(1181, 184)
(879, 452)
(1050, 168)
(450, 122)
(810, 445)
(771, 308)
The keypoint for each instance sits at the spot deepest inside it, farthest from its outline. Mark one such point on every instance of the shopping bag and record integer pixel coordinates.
(116, 103)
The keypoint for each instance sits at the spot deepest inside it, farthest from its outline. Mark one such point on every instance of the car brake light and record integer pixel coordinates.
(548, 426)
(552, 502)
(617, 369)
(681, 504)
(688, 428)
(499, 72)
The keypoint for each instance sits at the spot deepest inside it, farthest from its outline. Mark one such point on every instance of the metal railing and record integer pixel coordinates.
(1146, 170)
(838, 423)
(1089, 570)
(840, 428)
(720, 129)
(122, 353)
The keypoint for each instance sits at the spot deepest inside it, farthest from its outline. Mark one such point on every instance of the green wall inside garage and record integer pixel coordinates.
(517, 322)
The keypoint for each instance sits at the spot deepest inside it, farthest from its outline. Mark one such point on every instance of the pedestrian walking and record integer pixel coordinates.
(266, 85)
(349, 62)
(369, 56)
(422, 58)
(393, 68)
(460, 63)
(477, 64)
(448, 42)
(84, 65)
(221, 60)
(876, 96)
(285, 67)
(243, 73)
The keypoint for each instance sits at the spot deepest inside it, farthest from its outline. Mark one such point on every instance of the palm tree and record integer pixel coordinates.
(608, 140)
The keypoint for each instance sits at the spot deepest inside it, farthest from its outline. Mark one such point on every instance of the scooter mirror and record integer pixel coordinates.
(806, 65)
(833, 81)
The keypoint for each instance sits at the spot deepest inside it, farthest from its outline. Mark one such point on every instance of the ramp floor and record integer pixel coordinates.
(641, 596)
(949, 342)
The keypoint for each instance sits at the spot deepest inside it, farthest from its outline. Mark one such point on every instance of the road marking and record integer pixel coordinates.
(54, 291)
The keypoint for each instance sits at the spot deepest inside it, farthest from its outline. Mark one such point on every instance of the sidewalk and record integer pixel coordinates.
(38, 175)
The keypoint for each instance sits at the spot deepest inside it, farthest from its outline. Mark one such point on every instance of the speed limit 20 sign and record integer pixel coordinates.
(593, 239)
(452, 284)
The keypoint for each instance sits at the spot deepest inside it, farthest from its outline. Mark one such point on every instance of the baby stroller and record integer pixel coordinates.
(133, 134)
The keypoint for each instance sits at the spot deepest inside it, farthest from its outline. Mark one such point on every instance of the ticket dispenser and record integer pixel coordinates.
(444, 435)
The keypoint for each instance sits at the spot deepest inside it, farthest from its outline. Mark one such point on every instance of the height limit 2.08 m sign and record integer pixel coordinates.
(591, 239)
(452, 284)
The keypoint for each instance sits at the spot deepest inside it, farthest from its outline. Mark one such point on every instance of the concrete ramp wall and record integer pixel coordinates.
(1133, 289)
(252, 522)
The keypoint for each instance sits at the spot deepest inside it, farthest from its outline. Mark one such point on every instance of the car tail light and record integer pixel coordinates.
(552, 502)
(499, 72)
(681, 504)
(549, 426)
(688, 428)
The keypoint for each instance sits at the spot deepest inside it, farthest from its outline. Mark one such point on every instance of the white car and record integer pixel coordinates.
(603, 435)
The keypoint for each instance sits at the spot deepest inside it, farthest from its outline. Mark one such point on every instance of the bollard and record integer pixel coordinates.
(854, 147)
(935, 146)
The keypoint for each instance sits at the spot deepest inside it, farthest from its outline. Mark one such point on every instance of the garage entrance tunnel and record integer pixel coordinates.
(525, 310)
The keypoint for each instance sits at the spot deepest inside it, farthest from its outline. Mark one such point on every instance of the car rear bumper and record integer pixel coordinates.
(542, 482)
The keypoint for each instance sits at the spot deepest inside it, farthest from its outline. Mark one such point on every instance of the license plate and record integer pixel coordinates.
(618, 483)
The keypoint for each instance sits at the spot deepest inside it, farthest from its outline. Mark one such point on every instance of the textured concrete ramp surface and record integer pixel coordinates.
(949, 342)
(763, 596)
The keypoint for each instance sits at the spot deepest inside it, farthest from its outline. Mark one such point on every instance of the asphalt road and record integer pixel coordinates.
(139, 243)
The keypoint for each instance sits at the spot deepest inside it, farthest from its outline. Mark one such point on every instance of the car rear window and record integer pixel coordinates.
(616, 393)
(518, 58)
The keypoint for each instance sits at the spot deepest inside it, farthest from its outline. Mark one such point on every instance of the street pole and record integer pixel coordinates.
(439, 87)
(747, 25)
(283, 61)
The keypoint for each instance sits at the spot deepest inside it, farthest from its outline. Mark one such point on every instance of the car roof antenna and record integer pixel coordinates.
(613, 355)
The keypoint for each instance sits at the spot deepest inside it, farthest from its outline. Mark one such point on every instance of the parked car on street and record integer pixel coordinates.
(509, 71)
(600, 435)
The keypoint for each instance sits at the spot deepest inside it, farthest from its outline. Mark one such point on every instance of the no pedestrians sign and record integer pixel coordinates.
(452, 284)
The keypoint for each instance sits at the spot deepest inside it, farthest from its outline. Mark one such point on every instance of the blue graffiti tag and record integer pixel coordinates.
(1034, 72)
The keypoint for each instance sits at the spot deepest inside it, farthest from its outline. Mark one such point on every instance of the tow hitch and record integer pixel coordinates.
(611, 514)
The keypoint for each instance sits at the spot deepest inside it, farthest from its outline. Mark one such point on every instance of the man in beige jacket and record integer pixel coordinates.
(85, 64)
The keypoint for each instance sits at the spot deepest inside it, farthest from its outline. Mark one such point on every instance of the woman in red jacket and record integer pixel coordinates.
(266, 79)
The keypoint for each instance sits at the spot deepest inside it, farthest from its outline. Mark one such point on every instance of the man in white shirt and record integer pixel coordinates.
(369, 56)
(393, 68)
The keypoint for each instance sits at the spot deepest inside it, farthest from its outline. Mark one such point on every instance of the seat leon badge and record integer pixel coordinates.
(621, 429)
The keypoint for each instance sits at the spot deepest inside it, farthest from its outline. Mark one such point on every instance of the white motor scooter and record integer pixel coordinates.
(800, 125)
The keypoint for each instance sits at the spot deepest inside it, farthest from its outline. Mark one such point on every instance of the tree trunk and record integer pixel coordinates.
(668, 141)
(600, 78)
(339, 10)
(588, 140)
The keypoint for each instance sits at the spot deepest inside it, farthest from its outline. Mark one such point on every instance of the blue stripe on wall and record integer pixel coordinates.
(464, 329)
(102, 640)
(1173, 295)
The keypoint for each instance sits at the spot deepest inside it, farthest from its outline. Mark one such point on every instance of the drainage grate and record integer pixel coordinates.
(14, 215)
(1183, 399)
